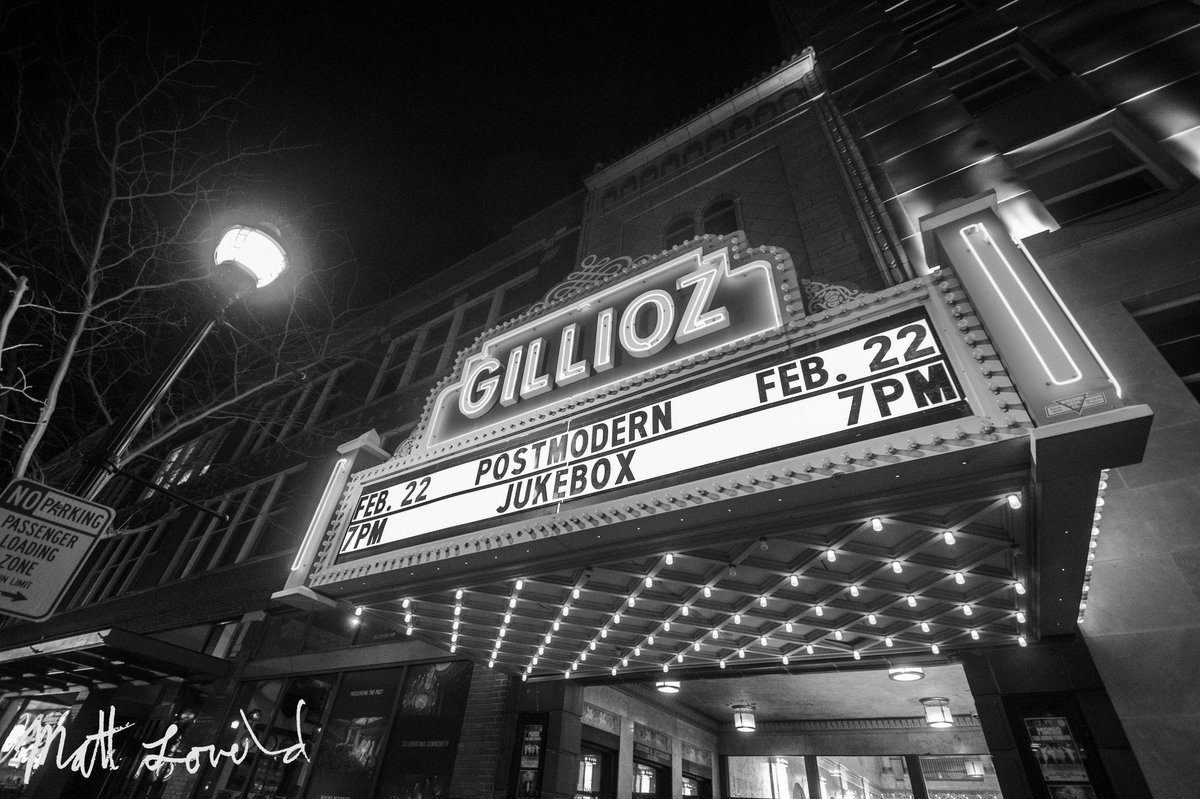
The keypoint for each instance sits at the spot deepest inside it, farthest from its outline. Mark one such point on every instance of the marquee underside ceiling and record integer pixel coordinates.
(752, 601)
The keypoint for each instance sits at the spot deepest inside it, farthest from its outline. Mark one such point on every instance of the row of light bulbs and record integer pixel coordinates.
(1013, 500)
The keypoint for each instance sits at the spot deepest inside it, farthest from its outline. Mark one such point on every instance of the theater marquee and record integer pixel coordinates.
(891, 374)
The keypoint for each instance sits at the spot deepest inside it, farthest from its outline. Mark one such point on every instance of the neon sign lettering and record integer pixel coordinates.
(662, 314)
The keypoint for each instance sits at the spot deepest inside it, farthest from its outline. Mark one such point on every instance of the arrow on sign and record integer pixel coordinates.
(16, 596)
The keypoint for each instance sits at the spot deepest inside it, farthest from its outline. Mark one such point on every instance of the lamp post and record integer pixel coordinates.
(247, 257)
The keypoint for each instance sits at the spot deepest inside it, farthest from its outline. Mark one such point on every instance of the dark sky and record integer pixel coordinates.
(424, 130)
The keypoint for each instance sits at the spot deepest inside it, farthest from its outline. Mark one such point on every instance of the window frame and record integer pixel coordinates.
(1139, 146)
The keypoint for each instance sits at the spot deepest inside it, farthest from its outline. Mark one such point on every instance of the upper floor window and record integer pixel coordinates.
(989, 75)
(920, 19)
(255, 528)
(1093, 168)
(679, 231)
(189, 460)
(720, 217)
(1174, 328)
(297, 410)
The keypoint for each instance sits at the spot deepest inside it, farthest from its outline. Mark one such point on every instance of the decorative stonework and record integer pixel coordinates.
(601, 719)
(825, 296)
(593, 271)
(651, 737)
(696, 754)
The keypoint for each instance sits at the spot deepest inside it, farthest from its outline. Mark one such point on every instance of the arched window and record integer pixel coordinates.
(720, 217)
(680, 231)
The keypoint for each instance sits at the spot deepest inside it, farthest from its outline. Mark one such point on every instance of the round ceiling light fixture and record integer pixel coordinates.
(906, 673)
(667, 686)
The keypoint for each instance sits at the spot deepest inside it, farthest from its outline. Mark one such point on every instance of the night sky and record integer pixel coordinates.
(423, 131)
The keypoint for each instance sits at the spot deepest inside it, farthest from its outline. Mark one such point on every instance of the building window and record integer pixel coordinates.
(991, 74)
(720, 217)
(679, 231)
(1093, 168)
(1174, 328)
(920, 19)
(189, 460)
(118, 565)
(299, 409)
(256, 528)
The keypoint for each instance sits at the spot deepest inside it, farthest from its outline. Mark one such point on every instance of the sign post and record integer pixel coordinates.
(45, 535)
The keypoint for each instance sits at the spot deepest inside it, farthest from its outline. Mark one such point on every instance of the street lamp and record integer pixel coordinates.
(246, 257)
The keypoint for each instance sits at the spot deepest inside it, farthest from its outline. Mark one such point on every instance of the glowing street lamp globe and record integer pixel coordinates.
(255, 250)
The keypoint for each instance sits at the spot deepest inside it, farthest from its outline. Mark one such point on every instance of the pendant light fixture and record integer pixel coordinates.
(743, 718)
(937, 712)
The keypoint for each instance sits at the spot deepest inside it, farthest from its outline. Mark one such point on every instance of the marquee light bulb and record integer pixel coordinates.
(935, 649)
(583, 656)
(911, 600)
(520, 584)
(737, 618)
(575, 593)
(1014, 501)
(507, 618)
(1021, 640)
(556, 625)
(696, 645)
(454, 626)
(967, 610)
(679, 657)
(666, 667)
(787, 626)
(897, 567)
(831, 555)
(632, 601)
(707, 592)
(722, 664)
(837, 634)
(408, 630)
(624, 661)
(1019, 587)
(548, 637)
(854, 590)
(762, 601)
(666, 626)
(406, 603)
(358, 611)
(795, 581)
(857, 655)
(924, 626)
(512, 602)
(784, 659)
(820, 611)
(1020, 617)
(458, 610)
(649, 581)
(614, 671)
(616, 618)
(808, 648)
(684, 610)
(959, 578)
(566, 610)
(715, 633)
(763, 640)
(541, 650)
(887, 641)
(649, 640)
(975, 635)
(453, 648)
(948, 537)
(592, 645)
(670, 558)
(876, 524)
(637, 651)
(458, 594)
(741, 653)
(871, 618)
(604, 633)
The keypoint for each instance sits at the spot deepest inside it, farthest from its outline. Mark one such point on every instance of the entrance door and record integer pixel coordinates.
(651, 781)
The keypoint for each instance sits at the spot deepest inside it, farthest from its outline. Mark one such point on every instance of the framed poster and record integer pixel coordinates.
(1054, 747)
(530, 755)
(351, 745)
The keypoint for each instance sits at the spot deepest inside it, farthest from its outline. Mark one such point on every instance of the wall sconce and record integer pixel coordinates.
(906, 673)
(743, 718)
(667, 686)
(937, 712)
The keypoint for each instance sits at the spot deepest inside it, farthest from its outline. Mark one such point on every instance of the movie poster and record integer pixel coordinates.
(351, 746)
(1055, 749)
(425, 733)
(531, 751)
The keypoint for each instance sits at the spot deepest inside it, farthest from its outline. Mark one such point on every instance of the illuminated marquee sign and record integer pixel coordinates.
(662, 314)
(893, 373)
